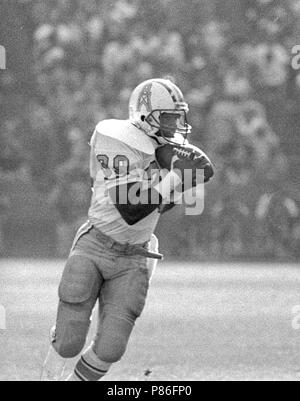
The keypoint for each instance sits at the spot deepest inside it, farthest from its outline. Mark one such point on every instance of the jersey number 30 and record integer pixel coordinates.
(117, 168)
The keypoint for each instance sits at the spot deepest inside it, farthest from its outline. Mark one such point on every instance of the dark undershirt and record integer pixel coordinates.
(132, 213)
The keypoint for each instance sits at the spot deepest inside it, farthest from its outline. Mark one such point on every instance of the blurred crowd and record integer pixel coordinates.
(232, 60)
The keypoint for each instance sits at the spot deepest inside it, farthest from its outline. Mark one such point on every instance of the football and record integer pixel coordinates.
(188, 156)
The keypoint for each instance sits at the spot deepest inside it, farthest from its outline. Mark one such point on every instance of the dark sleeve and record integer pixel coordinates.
(134, 213)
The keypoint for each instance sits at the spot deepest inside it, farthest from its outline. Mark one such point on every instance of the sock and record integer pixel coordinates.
(90, 368)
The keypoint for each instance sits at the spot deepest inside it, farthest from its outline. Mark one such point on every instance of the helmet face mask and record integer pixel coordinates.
(172, 125)
(157, 107)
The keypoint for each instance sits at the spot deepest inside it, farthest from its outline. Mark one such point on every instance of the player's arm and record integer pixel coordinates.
(135, 203)
(156, 196)
(134, 213)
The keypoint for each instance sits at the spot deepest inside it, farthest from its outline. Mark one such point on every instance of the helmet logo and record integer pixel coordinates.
(145, 98)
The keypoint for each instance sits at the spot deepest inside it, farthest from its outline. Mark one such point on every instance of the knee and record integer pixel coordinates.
(69, 343)
(111, 343)
(112, 351)
(72, 326)
(78, 292)
(68, 350)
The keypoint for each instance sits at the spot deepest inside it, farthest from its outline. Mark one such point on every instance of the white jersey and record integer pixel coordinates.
(118, 143)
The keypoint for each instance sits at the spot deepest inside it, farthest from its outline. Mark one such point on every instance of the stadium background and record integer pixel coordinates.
(71, 63)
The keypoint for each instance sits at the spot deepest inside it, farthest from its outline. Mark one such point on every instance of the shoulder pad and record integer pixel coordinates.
(126, 132)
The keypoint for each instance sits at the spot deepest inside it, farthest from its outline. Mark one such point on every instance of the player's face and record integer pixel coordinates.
(172, 123)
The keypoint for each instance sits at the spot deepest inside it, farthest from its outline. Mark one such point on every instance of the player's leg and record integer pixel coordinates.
(122, 302)
(78, 293)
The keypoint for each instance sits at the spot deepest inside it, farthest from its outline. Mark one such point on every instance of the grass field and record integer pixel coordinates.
(202, 322)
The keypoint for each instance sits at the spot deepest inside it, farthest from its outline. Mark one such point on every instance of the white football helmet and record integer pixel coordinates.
(157, 107)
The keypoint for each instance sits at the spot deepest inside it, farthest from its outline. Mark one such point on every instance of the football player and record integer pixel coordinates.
(115, 252)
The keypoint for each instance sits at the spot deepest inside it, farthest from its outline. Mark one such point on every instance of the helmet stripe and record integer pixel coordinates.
(179, 93)
(174, 98)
